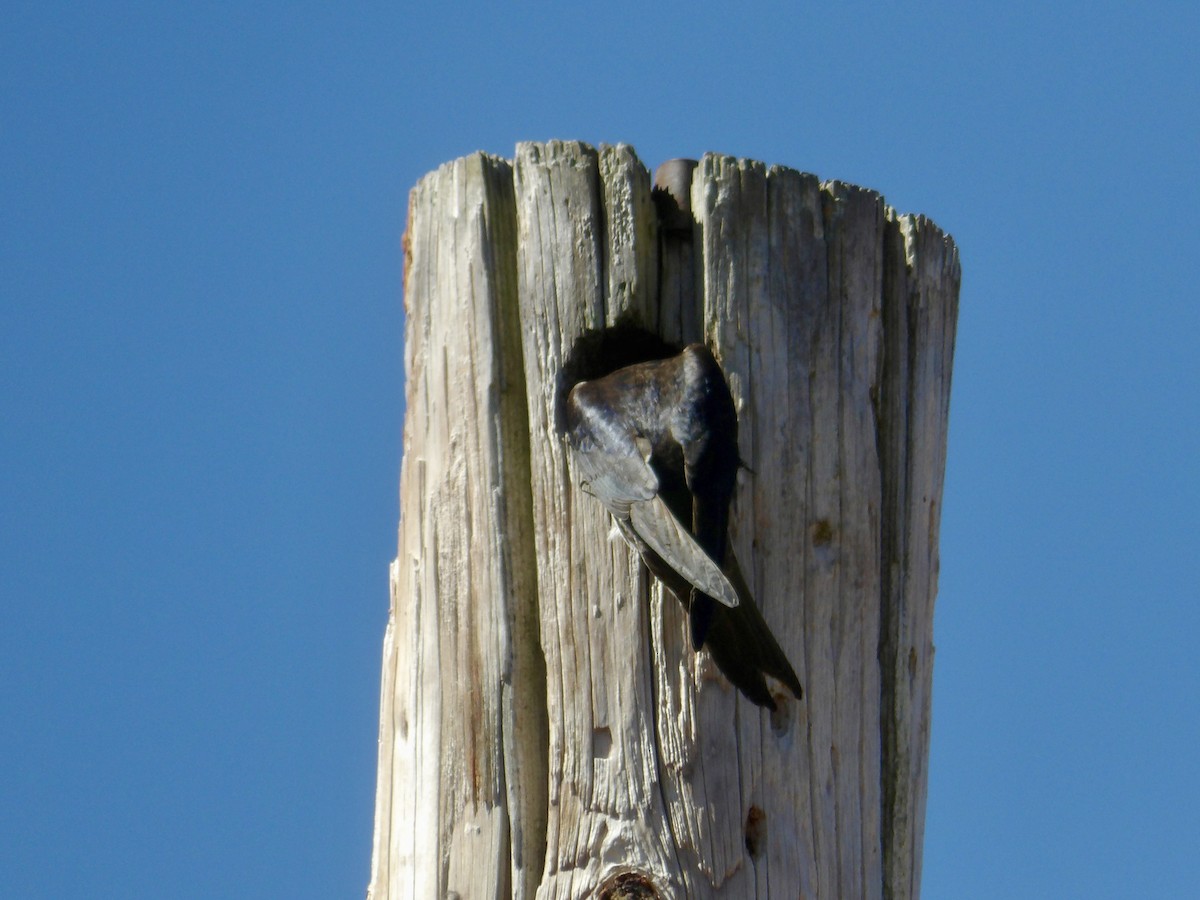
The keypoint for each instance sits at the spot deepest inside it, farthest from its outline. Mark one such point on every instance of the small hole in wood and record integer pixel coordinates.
(601, 743)
(756, 832)
(822, 533)
(781, 715)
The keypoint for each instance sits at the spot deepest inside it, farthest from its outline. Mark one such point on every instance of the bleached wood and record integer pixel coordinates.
(605, 809)
(922, 280)
(792, 279)
(545, 727)
(461, 793)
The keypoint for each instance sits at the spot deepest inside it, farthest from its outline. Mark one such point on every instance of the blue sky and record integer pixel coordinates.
(200, 347)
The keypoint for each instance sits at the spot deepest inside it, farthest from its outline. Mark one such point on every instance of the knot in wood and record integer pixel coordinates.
(628, 886)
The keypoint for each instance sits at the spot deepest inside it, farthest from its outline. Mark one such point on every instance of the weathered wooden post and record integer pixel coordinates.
(545, 728)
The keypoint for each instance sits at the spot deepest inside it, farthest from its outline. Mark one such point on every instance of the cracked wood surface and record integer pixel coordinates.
(545, 729)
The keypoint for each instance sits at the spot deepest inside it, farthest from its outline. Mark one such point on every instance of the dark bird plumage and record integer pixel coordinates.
(656, 443)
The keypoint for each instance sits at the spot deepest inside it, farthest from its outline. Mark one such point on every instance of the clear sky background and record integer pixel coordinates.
(200, 337)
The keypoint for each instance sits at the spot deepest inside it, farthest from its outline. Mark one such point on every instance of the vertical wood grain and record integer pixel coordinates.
(545, 728)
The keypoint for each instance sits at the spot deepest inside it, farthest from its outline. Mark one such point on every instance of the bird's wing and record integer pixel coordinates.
(610, 466)
(653, 521)
(614, 465)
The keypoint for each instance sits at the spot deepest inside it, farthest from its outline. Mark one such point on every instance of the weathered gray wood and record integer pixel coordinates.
(460, 805)
(545, 727)
(678, 313)
(605, 805)
(921, 290)
(792, 280)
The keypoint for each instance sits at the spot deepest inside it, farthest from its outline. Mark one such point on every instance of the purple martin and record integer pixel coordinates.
(656, 443)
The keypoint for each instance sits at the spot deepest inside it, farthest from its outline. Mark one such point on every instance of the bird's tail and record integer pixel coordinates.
(739, 639)
(744, 648)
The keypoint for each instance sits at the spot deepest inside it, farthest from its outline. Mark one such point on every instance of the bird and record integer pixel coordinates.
(655, 442)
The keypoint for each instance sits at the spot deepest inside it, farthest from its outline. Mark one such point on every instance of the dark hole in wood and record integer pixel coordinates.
(603, 350)
(822, 533)
(756, 832)
(601, 743)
